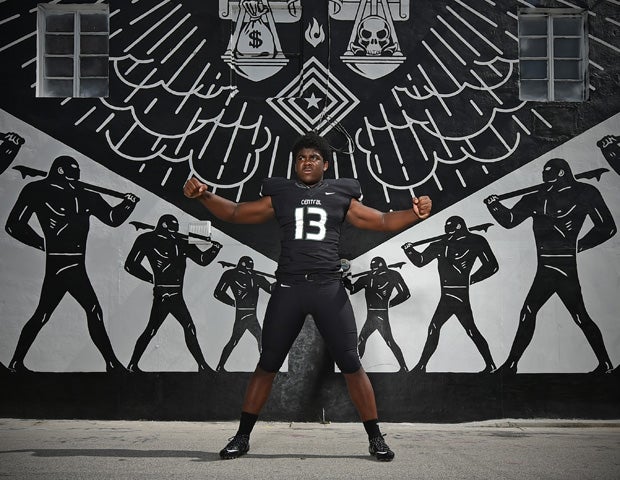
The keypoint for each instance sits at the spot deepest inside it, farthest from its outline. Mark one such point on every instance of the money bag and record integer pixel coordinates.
(255, 36)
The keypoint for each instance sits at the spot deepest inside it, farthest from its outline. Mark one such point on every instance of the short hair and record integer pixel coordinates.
(312, 140)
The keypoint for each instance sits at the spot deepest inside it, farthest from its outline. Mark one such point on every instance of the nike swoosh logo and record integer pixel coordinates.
(284, 285)
(329, 193)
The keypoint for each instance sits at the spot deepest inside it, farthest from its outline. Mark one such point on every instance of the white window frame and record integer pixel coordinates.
(550, 14)
(43, 10)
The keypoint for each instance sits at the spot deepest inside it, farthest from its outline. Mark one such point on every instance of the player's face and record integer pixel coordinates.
(71, 171)
(309, 166)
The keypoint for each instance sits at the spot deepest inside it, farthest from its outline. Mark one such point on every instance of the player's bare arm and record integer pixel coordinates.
(257, 211)
(361, 216)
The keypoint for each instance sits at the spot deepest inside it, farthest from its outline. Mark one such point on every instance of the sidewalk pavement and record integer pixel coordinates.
(499, 449)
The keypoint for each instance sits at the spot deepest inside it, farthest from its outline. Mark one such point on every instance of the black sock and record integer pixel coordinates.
(372, 428)
(246, 423)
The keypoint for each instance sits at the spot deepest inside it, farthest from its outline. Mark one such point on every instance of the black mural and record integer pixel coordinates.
(558, 208)
(10, 143)
(63, 205)
(166, 251)
(456, 253)
(610, 148)
(379, 284)
(245, 283)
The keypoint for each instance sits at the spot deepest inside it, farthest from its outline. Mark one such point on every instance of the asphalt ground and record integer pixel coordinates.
(501, 449)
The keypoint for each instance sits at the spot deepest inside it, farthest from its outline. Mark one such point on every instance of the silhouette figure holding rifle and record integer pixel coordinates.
(63, 206)
(456, 253)
(558, 208)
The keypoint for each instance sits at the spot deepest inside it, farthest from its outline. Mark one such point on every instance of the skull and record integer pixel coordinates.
(374, 34)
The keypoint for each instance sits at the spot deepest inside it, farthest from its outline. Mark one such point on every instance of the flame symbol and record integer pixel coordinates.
(315, 33)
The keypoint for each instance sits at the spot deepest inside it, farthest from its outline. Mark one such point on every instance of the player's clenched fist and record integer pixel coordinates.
(194, 188)
(422, 206)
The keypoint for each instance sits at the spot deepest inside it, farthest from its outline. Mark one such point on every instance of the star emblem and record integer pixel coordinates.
(313, 101)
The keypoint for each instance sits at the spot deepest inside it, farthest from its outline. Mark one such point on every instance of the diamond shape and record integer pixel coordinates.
(292, 106)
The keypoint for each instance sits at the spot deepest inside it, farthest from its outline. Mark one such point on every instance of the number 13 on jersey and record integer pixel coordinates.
(310, 223)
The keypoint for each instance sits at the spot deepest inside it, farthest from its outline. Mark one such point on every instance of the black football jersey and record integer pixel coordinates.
(310, 219)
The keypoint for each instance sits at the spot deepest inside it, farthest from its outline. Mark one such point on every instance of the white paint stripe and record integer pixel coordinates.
(168, 33)
(391, 132)
(417, 140)
(477, 13)
(511, 36)
(475, 31)
(476, 107)
(178, 45)
(501, 139)
(126, 136)
(21, 39)
(187, 60)
(443, 142)
(150, 106)
(572, 5)
(29, 62)
(445, 69)
(434, 90)
(510, 14)
(470, 145)
(140, 86)
(447, 45)
(596, 65)
(611, 20)
(105, 122)
(458, 35)
(85, 116)
(596, 39)
(115, 33)
(523, 127)
(526, 4)
(460, 177)
(146, 14)
(491, 92)
(8, 19)
(541, 118)
(165, 179)
(153, 28)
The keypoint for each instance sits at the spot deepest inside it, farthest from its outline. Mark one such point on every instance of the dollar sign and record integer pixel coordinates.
(256, 41)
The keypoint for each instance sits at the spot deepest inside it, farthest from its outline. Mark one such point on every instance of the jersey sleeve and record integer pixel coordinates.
(350, 187)
(272, 186)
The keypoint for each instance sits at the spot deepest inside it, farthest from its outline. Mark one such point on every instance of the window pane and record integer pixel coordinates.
(94, 22)
(94, 44)
(533, 90)
(569, 91)
(59, 44)
(532, 25)
(565, 25)
(533, 69)
(94, 87)
(567, 69)
(533, 47)
(94, 67)
(58, 88)
(59, 22)
(567, 47)
(59, 67)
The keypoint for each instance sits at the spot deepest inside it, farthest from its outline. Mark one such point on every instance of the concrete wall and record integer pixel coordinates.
(436, 113)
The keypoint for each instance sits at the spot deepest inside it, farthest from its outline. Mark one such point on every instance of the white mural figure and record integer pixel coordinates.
(254, 49)
(373, 50)
(559, 208)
